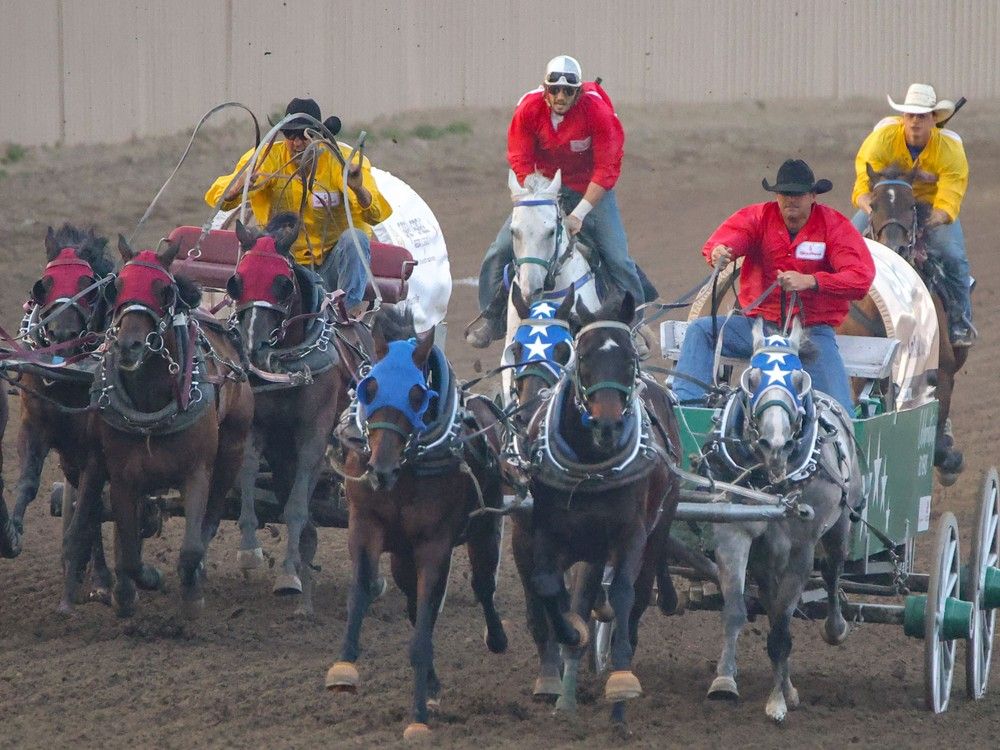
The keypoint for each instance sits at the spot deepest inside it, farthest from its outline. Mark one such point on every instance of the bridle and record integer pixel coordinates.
(555, 262)
(583, 391)
(911, 230)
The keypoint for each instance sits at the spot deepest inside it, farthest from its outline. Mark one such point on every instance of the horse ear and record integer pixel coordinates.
(125, 249)
(556, 182)
(167, 255)
(758, 333)
(378, 338)
(234, 287)
(584, 316)
(243, 235)
(282, 288)
(40, 290)
(566, 306)
(51, 248)
(627, 310)
(872, 175)
(795, 337)
(517, 299)
(423, 350)
(514, 186)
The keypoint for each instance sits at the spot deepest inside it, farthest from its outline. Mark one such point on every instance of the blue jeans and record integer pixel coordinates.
(947, 242)
(698, 354)
(343, 269)
(602, 230)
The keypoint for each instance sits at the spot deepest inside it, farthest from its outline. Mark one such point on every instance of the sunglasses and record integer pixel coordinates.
(293, 134)
(569, 91)
(556, 76)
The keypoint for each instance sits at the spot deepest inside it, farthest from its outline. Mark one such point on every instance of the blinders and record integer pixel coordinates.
(63, 281)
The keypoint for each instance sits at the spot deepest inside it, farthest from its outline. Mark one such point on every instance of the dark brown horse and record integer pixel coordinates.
(62, 326)
(413, 488)
(299, 391)
(897, 221)
(598, 458)
(174, 410)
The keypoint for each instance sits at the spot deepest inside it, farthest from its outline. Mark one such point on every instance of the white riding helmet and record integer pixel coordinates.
(563, 70)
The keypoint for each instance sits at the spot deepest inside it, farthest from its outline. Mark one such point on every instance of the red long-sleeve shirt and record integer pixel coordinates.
(587, 146)
(828, 247)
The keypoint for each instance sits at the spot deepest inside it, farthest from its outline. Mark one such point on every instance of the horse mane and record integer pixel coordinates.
(89, 246)
(394, 324)
(284, 228)
(188, 292)
(536, 182)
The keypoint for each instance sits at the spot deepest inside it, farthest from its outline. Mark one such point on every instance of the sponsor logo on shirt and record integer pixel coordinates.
(810, 250)
(581, 145)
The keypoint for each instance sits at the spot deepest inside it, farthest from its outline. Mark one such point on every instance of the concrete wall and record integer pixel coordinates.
(82, 71)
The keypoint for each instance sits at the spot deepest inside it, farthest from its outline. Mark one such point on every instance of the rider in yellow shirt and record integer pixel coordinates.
(279, 183)
(915, 140)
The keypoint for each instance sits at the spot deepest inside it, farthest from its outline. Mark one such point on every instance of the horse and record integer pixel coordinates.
(598, 455)
(64, 325)
(897, 221)
(771, 429)
(282, 318)
(418, 481)
(173, 409)
(546, 261)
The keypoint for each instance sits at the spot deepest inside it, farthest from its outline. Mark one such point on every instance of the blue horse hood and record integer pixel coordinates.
(394, 375)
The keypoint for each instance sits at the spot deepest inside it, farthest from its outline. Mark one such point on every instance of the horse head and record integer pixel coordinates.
(536, 226)
(541, 348)
(775, 386)
(144, 299)
(393, 399)
(264, 287)
(897, 216)
(607, 369)
(76, 259)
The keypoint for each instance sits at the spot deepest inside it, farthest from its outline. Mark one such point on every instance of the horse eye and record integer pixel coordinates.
(515, 233)
(416, 397)
(371, 388)
(562, 352)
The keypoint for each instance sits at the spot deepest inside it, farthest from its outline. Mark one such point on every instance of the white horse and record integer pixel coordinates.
(547, 262)
(781, 428)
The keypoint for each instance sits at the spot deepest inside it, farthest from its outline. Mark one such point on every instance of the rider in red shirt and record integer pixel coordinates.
(801, 246)
(566, 125)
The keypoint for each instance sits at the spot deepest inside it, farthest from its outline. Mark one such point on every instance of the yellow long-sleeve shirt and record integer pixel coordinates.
(323, 215)
(943, 156)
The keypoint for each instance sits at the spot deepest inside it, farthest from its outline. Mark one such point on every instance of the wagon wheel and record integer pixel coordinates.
(939, 653)
(603, 634)
(984, 556)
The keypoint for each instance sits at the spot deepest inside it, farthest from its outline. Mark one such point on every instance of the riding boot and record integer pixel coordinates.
(489, 326)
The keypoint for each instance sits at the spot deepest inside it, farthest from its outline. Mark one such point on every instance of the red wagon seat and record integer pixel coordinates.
(391, 264)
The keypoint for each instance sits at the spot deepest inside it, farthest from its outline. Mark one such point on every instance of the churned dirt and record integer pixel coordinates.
(250, 674)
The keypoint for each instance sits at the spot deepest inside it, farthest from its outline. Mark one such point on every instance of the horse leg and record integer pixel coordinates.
(547, 685)
(835, 544)
(191, 560)
(365, 539)
(100, 575)
(296, 513)
(622, 684)
(433, 561)
(787, 576)
(585, 583)
(128, 558)
(307, 547)
(31, 451)
(547, 580)
(78, 539)
(483, 548)
(732, 552)
(250, 554)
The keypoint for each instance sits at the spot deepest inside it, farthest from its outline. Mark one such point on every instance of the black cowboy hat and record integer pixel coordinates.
(311, 108)
(796, 178)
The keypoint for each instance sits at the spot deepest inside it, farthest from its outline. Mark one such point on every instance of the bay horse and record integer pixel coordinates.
(598, 455)
(770, 431)
(61, 327)
(286, 328)
(897, 221)
(174, 409)
(419, 482)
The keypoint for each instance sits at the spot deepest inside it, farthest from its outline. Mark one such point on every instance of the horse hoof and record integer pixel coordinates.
(379, 587)
(434, 705)
(622, 685)
(192, 609)
(416, 731)
(947, 478)
(776, 710)
(604, 613)
(546, 688)
(724, 688)
(342, 677)
(250, 559)
(497, 644)
(66, 609)
(101, 596)
(835, 633)
(150, 578)
(566, 705)
(287, 585)
(582, 630)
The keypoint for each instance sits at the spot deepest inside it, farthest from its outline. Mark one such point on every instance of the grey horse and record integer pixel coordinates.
(793, 440)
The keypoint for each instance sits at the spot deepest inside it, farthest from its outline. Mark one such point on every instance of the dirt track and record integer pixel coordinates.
(248, 673)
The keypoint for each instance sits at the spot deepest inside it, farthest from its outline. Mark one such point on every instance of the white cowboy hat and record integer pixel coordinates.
(920, 98)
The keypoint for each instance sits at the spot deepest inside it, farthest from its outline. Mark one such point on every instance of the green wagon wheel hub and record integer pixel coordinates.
(982, 587)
